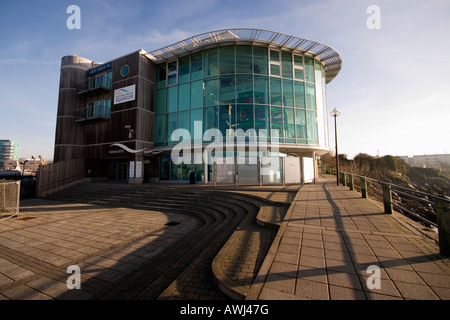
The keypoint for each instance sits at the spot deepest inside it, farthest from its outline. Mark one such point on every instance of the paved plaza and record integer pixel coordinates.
(317, 241)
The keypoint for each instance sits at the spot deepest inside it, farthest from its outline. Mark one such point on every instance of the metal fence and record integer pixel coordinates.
(9, 199)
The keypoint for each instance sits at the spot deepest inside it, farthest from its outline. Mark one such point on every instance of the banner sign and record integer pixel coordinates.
(125, 94)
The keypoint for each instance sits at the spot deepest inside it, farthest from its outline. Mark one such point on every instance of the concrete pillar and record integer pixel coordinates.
(344, 179)
(363, 187)
(443, 222)
(387, 198)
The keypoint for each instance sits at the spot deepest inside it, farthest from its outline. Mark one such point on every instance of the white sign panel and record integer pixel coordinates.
(138, 169)
(131, 174)
(125, 94)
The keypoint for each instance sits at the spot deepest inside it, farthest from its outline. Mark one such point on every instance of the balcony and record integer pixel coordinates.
(96, 84)
(95, 111)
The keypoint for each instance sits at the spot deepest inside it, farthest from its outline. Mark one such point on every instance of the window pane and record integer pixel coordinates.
(172, 99)
(172, 72)
(196, 66)
(211, 63)
(260, 60)
(160, 101)
(300, 124)
(244, 88)
(160, 124)
(245, 117)
(211, 92)
(298, 73)
(183, 120)
(171, 126)
(227, 118)
(274, 70)
(298, 60)
(288, 93)
(274, 55)
(209, 118)
(262, 119)
(196, 94)
(183, 96)
(227, 89)
(275, 91)
(196, 115)
(183, 69)
(312, 127)
(309, 69)
(286, 62)
(289, 129)
(276, 121)
(310, 96)
(261, 90)
(226, 60)
(299, 89)
(161, 76)
(243, 59)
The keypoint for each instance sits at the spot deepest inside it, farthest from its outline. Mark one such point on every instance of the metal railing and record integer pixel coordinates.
(436, 207)
(9, 199)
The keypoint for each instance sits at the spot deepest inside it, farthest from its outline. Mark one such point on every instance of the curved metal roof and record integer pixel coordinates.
(330, 57)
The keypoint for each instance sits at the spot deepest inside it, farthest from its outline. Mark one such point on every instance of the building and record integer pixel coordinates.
(9, 153)
(121, 116)
(436, 161)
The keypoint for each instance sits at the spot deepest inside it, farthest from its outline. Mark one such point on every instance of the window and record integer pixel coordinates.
(172, 72)
(160, 101)
(288, 93)
(260, 60)
(161, 76)
(227, 90)
(210, 63)
(286, 63)
(171, 127)
(289, 127)
(160, 121)
(196, 66)
(195, 116)
(262, 119)
(309, 69)
(245, 117)
(277, 122)
(275, 64)
(183, 69)
(183, 96)
(99, 109)
(226, 60)
(244, 88)
(172, 99)
(211, 92)
(311, 120)
(298, 67)
(300, 125)
(243, 59)
(227, 118)
(261, 89)
(299, 94)
(275, 91)
(196, 94)
(310, 96)
(103, 80)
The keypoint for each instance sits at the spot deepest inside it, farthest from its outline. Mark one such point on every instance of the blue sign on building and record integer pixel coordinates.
(103, 67)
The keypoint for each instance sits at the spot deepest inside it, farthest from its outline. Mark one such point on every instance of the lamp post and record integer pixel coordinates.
(335, 113)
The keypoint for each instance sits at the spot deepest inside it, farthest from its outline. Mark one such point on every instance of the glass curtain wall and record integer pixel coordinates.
(241, 87)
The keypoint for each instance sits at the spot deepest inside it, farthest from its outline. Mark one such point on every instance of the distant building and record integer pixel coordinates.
(9, 152)
(436, 161)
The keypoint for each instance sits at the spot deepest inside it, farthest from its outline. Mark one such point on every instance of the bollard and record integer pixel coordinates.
(350, 181)
(363, 187)
(387, 198)
(443, 222)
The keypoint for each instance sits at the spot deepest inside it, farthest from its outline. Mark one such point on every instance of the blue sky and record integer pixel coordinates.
(393, 89)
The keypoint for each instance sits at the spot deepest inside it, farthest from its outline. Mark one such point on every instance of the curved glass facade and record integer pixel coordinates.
(244, 87)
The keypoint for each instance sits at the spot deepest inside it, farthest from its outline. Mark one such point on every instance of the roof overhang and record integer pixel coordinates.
(330, 58)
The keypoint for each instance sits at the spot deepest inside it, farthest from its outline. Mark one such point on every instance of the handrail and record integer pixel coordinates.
(427, 198)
